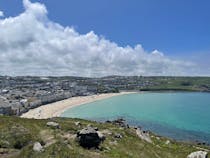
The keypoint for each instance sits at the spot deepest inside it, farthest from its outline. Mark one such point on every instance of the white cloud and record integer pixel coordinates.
(1, 13)
(31, 44)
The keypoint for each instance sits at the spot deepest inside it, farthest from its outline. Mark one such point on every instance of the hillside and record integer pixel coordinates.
(17, 137)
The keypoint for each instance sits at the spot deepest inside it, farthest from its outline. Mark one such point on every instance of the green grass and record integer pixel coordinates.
(17, 136)
(178, 84)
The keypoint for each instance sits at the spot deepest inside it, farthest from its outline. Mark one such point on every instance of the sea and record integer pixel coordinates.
(183, 116)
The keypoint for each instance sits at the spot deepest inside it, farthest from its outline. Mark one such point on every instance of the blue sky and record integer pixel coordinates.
(171, 26)
(178, 28)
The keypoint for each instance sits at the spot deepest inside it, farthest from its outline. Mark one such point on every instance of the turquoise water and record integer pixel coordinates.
(182, 116)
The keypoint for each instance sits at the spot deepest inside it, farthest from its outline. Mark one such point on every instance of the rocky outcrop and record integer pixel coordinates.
(91, 126)
(90, 138)
(53, 125)
(119, 122)
(37, 147)
(101, 136)
(198, 154)
(118, 135)
(167, 142)
(77, 123)
(143, 135)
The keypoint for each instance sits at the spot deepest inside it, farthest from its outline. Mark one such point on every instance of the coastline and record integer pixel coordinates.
(56, 109)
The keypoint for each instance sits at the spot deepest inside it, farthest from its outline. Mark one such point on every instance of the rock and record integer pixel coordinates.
(120, 122)
(101, 136)
(23, 101)
(201, 143)
(77, 123)
(89, 138)
(118, 135)
(167, 142)
(135, 127)
(198, 154)
(53, 124)
(37, 147)
(4, 91)
(4, 144)
(158, 138)
(107, 148)
(143, 135)
(95, 128)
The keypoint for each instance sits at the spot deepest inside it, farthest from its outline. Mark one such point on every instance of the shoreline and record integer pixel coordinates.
(57, 108)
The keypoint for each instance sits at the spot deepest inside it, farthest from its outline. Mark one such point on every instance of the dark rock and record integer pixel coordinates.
(119, 122)
(89, 138)
(136, 127)
(201, 143)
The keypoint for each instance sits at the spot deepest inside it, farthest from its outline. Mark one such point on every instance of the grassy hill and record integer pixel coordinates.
(18, 135)
(178, 84)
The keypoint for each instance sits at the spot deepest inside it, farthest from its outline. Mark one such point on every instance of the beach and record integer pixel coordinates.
(57, 108)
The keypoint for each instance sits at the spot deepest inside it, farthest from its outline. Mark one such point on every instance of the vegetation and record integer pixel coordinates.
(18, 135)
(177, 84)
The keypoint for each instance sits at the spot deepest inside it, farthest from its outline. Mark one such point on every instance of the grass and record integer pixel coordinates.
(178, 84)
(17, 136)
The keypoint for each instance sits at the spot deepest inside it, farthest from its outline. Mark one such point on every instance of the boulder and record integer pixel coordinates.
(167, 142)
(89, 138)
(118, 135)
(37, 147)
(143, 135)
(4, 91)
(77, 123)
(101, 135)
(24, 102)
(53, 124)
(119, 122)
(89, 125)
(198, 154)
(4, 144)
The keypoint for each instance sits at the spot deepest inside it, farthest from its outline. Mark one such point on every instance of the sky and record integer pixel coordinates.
(108, 37)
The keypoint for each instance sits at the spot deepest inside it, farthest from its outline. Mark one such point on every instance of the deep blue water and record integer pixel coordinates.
(181, 116)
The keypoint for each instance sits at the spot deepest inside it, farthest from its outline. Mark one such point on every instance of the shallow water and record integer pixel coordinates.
(182, 116)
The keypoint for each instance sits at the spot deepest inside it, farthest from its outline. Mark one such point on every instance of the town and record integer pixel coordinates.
(20, 94)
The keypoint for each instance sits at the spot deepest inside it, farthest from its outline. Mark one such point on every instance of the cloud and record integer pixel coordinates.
(1, 13)
(31, 44)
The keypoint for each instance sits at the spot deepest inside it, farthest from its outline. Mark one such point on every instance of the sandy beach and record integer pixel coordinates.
(57, 108)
